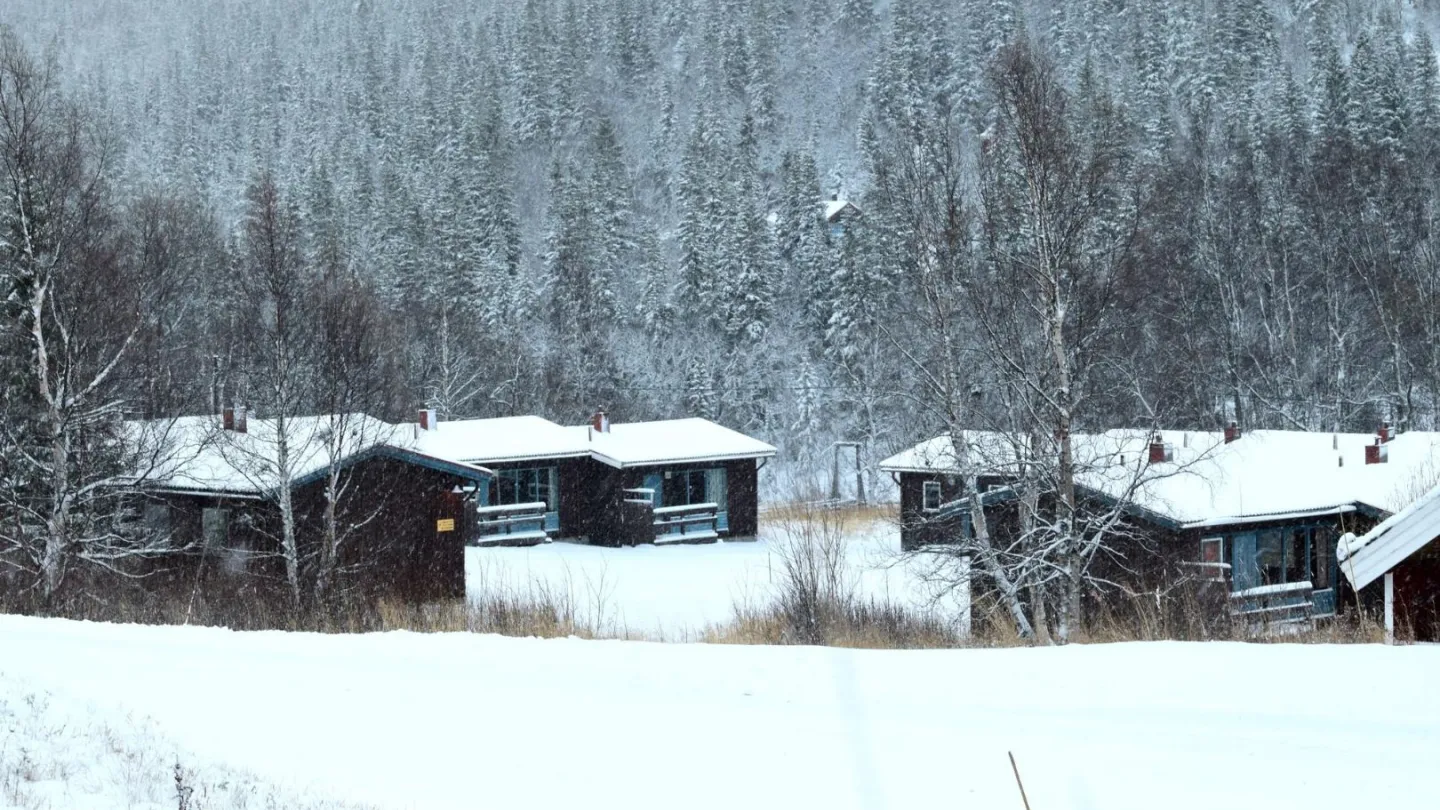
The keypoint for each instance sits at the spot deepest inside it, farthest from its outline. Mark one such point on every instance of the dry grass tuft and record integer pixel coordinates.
(867, 625)
(849, 515)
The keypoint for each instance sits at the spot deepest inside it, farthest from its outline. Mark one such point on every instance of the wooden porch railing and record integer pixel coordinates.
(1275, 609)
(517, 524)
(695, 523)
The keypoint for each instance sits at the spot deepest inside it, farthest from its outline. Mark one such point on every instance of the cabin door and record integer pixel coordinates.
(1244, 567)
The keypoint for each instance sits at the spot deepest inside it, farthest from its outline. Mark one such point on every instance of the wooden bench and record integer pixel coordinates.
(515, 524)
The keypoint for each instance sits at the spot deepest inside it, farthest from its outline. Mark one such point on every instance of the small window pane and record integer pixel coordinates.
(716, 490)
(1212, 550)
(1270, 557)
(1212, 558)
(931, 499)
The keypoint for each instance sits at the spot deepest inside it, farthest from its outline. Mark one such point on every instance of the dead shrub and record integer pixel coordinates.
(860, 624)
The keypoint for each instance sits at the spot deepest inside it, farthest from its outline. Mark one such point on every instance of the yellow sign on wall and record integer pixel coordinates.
(445, 525)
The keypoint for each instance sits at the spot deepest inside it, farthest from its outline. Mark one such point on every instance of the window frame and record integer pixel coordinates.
(1214, 569)
(687, 482)
(1303, 540)
(522, 484)
(928, 488)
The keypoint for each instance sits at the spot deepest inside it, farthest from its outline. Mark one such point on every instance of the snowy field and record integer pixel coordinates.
(402, 720)
(675, 592)
(57, 752)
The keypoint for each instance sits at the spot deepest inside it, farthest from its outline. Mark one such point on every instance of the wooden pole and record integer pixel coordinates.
(859, 478)
(1021, 785)
(835, 472)
(1389, 607)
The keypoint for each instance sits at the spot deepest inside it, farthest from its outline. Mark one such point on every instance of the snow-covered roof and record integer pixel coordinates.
(522, 438)
(637, 444)
(506, 438)
(194, 453)
(1365, 559)
(834, 207)
(1265, 475)
(992, 452)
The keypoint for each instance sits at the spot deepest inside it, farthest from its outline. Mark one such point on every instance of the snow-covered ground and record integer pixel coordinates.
(402, 720)
(675, 592)
(57, 752)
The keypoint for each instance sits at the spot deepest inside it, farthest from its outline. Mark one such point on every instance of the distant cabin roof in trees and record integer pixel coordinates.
(1204, 481)
(522, 438)
(835, 208)
(1365, 559)
(198, 454)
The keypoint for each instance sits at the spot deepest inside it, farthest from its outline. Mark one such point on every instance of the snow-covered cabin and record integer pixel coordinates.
(583, 474)
(1261, 509)
(213, 485)
(1405, 549)
(838, 214)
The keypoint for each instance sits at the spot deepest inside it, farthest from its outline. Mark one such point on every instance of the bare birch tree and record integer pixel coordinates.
(272, 281)
(353, 358)
(72, 310)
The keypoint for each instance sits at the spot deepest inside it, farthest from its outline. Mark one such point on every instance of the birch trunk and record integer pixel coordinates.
(288, 543)
(1009, 593)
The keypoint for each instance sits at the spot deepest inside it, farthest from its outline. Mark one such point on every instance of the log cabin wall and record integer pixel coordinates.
(743, 476)
(392, 550)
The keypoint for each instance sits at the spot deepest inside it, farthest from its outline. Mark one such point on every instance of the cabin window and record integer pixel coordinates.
(717, 488)
(1212, 559)
(1212, 550)
(930, 497)
(1288, 555)
(685, 487)
(157, 519)
(215, 528)
(1270, 557)
(526, 485)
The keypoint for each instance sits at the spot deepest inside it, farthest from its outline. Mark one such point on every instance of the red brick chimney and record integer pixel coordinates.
(600, 423)
(427, 419)
(1377, 453)
(1159, 450)
(227, 419)
(1232, 432)
(1384, 432)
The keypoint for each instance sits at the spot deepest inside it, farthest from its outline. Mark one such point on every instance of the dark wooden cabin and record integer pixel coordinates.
(402, 516)
(1255, 525)
(585, 475)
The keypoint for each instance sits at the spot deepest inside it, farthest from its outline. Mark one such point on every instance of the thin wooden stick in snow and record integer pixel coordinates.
(1018, 783)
